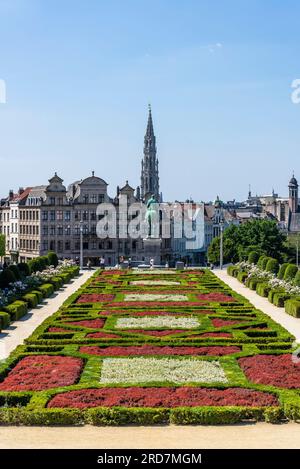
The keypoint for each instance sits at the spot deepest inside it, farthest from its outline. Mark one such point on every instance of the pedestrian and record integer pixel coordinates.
(89, 264)
(102, 262)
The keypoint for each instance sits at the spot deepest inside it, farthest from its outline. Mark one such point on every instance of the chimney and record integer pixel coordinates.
(11, 194)
(21, 190)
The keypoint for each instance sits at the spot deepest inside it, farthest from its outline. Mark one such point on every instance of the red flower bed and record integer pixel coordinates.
(156, 333)
(152, 304)
(275, 370)
(217, 297)
(102, 335)
(58, 329)
(163, 397)
(36, 373)
(112, 351)
(92, 323)
(224, 322)
(95, 297)
(215, 334)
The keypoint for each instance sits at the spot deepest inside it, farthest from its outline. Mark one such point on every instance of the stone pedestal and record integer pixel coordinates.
(152, 250)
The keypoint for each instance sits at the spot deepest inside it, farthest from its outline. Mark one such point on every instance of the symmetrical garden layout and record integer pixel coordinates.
(150, 347)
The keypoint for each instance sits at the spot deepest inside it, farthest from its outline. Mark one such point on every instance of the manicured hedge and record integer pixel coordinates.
(242, 276)
(262, 289)
(290, 272)
(17, 309)
(272, 266)
(253, 257)
(292, 307)
(31, 299)
(279, 299)
(282, 271)
(4, 320)
(47, 289)
(57, 282)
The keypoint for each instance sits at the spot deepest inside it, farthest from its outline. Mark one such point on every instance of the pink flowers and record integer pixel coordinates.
(163, 397)
(274, 370)
(138, 350)
(90, 323)
(224, 322)
(38, 372)
(215, 297)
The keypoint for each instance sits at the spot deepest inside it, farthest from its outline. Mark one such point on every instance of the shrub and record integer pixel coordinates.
(66, 276)
(14, 269)
(31, 299)
(253, 283)
(38, 294)
(57, 282)
(46, 289)
(262, 289)
(24, 269)
(260, 261)
(52, 258)
(297, 279)
(292, 307)
(4, 320)
(17, 309)
(242, 276)
(290, 272)
(279, 298)
(253, 257)
(230, 269)
(6, 277)
(272, 266)
(272, 293)
(264, 262)
(282, 271)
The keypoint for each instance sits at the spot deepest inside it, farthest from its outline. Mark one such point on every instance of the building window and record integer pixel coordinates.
(60, 230)
(93, 216)
(77, 245)
(52, 215)
(68, 215)
(93, 229)
(93, 198)
(85, 215)
(68, 230)
(52, 200)
(100, 198)
(67, 246)
(85, 245)
(77, 215)
(86, 199)
(60, 201)
(59, 215)
(52, 230)
(85, 229)
(45, 245)
(77, 230)
(93, 245)
(44, 215)
(59, 246)
(45, 230)
(52, 245)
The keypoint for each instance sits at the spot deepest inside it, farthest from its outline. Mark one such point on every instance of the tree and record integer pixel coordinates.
(262, 236)
(2, 245)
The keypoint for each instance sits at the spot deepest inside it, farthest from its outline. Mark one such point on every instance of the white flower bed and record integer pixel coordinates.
(154, 282)
(154, 271)
(146, 370)
(154, 297)
(168, 322)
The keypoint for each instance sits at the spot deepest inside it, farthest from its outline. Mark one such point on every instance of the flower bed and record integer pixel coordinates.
(162, 397)
(154, 282)
(111, 351)
(95, 298)
(224, 322)
(90, 323)
(41, 372)
(149, 370)
(215, 297)
(158, 322)
(155, 297)
(275, 370)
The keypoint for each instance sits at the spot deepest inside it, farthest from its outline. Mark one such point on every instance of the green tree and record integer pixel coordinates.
(262, 236)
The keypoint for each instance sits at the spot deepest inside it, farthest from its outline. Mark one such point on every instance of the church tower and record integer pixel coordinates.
(149, 174)
(293, 195)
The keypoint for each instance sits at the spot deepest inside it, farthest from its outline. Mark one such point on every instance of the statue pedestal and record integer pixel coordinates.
(152, 250)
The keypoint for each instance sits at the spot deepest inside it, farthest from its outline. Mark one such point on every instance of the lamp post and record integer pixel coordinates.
(81, 244)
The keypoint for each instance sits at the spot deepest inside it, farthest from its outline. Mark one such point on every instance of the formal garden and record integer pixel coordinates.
(152, 347)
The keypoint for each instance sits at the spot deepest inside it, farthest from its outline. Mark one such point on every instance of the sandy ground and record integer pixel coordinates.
(279, 315)
(19, 330)
(249, 436)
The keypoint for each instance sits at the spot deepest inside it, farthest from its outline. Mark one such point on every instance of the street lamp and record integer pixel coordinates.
(221, 224)
(81, 244)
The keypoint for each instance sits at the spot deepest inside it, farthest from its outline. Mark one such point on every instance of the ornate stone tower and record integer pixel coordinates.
(293, 195)
(149, 175)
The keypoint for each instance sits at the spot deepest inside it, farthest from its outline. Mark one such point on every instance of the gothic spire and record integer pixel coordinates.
(149, 131)
(149, 174)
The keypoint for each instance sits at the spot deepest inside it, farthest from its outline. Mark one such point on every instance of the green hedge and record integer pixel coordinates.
(242, 276)
(282, 271)
(272, 266)
(38, 294)
(4, 320)
(47, 289)
(57, 282)
(31, 299)
(292, 307)
(253, 282)
(17, 309)
(297, 279)
(261, 260)
(279, 299)
(290, 272)
(253, 257)
(262, 289)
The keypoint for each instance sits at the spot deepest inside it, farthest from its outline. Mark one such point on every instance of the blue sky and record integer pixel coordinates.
(79, 76)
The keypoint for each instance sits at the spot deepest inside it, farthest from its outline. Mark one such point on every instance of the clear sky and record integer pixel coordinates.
(79, 76)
